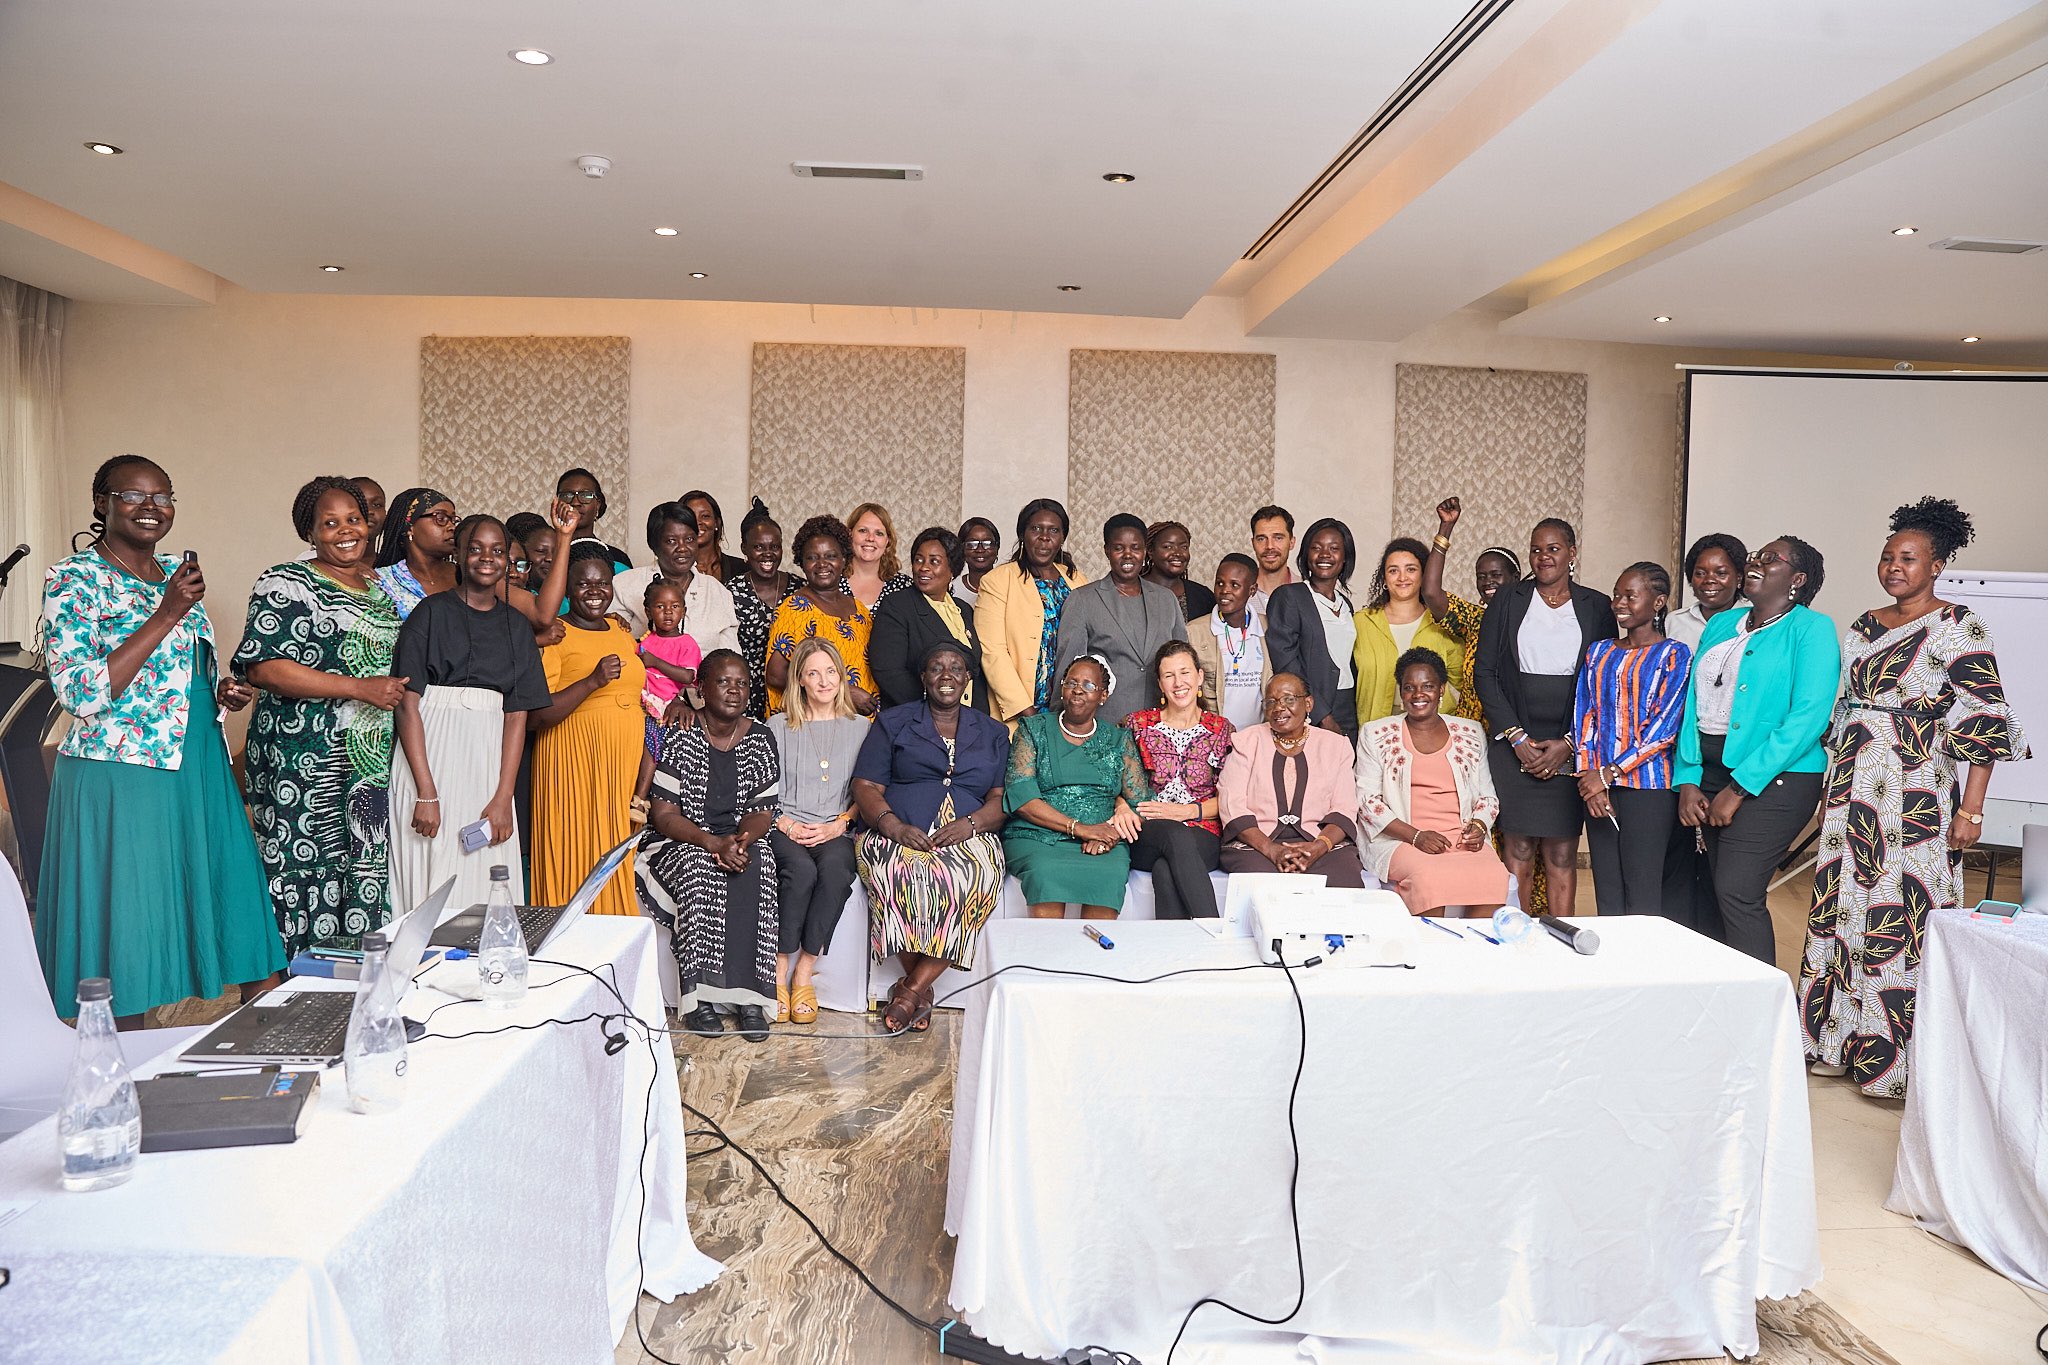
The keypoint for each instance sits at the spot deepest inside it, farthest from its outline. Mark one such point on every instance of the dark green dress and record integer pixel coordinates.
(1081, 780)
(319, 768)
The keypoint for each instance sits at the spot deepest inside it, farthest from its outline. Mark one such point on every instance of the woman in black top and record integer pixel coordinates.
(908, 624)
(756, 594)
(1309, 627)
(1168, 548)
(1532, 645)
(712, 560)
(471, 672)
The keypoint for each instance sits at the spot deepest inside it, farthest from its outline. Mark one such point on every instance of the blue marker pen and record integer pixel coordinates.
(1097, 935)
(1444, 927)
(1488, 937)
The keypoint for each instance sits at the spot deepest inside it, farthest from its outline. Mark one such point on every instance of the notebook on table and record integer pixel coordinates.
(189, 1111)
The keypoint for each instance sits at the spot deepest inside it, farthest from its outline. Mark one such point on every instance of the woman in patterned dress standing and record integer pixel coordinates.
(318, 643)
(417, 557)
(1921, 720)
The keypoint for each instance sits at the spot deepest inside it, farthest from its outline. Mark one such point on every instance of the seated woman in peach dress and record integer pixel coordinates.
(1426, 798)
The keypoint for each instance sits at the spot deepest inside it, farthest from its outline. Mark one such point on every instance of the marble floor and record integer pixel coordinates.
(858, 1132)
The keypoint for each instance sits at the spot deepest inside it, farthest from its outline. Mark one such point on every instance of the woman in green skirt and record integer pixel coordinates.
(1074, 785)
(150, 874)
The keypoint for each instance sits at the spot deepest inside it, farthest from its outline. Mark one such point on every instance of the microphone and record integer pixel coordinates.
(1580, 940)
(7, 565)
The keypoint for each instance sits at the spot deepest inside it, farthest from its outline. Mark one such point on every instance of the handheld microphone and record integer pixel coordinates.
(7, 565)
(1580, 940)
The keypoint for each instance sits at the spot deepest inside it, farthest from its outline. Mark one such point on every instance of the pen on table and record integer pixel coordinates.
(1437, 924)
(1488, 937)
(1097, 935)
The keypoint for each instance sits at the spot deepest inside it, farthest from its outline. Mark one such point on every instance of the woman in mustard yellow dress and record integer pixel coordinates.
(592, 734)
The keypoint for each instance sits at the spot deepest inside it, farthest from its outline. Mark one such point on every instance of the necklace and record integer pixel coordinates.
(1749, 626)
(106, 549)
(1288, 746)
(1078, 739)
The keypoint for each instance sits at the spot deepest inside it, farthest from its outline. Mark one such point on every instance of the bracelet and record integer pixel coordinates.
(1073, 827)
(1442, 542)
(426, 800)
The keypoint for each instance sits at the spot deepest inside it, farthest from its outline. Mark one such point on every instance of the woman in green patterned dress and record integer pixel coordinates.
(318, 642)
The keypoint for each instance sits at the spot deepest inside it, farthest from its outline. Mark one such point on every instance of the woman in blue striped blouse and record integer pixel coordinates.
(1631, 699)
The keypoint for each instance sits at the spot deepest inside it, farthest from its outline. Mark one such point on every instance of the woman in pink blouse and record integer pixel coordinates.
(1183, 748)
(1287, 797)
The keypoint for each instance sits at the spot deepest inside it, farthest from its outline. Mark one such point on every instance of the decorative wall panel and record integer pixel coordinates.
(502, 417)
(1184, 436)
(836, 426)
(1511, 444)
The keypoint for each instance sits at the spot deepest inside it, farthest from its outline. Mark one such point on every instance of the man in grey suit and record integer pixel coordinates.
(1123, 619)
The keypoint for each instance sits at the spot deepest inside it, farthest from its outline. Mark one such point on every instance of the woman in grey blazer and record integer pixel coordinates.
(1122, 619)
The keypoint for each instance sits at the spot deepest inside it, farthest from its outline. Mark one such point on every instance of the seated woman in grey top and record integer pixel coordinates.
(818, 734)
(1122, 619)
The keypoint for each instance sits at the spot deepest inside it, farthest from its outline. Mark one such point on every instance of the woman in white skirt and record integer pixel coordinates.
(471, 673)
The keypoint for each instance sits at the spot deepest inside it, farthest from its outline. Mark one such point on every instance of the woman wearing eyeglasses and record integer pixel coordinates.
(150, 876)
(1074, 785)
(416, 559)
(1287, 796)
(980, 546)
(1750, 750)
(581, 490)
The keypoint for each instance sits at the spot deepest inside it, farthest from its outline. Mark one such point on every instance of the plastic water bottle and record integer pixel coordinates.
(373, 1057)
(1511, 925)
(99, 1129)
(501, 949)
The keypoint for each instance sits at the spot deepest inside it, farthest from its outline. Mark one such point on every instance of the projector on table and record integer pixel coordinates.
(1341, 926)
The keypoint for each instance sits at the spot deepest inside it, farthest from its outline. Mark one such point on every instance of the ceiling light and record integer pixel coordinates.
(698, 275)
(531, 56)
(104, 148)
(1904, 231)
(1119, 177)
(1070, 289)
(1971, 340)
(1661, 317)
(332, 269)
(664, 232)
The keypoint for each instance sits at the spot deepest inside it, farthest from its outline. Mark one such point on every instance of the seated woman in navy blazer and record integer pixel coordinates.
(907, 624)
(929, 788)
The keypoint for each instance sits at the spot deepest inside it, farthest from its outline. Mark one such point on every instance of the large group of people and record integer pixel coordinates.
(925, 721)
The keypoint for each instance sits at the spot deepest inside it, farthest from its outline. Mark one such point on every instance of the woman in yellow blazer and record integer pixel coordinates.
(1395, 621)
(1017, 612)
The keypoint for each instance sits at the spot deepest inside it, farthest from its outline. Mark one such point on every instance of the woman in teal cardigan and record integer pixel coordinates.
(1750, 757)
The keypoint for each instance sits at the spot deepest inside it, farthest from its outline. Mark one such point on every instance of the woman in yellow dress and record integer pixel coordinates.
(590, 740)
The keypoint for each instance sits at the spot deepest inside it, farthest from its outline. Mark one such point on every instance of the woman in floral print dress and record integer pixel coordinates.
(1921, 720)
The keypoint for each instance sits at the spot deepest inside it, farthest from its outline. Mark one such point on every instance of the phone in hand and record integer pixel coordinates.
(191, 557)
(476, 836)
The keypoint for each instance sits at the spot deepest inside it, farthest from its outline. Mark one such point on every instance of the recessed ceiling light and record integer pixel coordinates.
(1904, 231)
(104, 148)
(1119, 177)
(1970, 340)
(332, 269)
(1661, 317)
(531, 56)
(1070, 289)
(698, 275)
(664, 232)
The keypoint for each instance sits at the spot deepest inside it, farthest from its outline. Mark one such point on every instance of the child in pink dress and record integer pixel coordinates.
(671, 658)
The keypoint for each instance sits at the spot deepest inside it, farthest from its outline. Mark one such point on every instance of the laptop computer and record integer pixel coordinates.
(542, 924)
(2034, 869)
(309, 1027)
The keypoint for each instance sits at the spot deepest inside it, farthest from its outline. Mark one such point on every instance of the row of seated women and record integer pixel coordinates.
(450, 643)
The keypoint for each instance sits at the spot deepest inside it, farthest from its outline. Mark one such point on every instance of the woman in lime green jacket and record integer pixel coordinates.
(1393, 622)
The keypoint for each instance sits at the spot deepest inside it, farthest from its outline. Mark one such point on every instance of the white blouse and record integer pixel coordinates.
(1340, 632)
(1550, 642)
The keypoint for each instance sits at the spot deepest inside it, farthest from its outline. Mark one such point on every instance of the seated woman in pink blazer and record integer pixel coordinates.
(1426, 798)
(1287, 797)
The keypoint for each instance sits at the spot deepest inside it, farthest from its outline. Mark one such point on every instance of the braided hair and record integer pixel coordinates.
(399, 515)
(466, 528)
(308, 501)
(1947, 527)
(1659, 580)
(1806, 560)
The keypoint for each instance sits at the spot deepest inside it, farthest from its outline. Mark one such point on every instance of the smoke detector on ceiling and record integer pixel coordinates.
(594, 166)
(1990, 245)
(854, 170)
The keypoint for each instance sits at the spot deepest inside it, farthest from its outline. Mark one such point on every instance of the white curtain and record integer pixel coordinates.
(31, 370)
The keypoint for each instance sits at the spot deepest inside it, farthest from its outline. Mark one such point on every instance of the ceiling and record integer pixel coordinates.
(1581, 167)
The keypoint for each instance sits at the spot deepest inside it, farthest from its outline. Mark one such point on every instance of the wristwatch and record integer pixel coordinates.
(1974, 817)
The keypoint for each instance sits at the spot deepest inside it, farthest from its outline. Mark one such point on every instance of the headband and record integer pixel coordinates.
(1108, 673)
(1514, 560)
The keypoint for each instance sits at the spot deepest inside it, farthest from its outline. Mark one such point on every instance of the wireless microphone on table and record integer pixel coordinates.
(1580, 939)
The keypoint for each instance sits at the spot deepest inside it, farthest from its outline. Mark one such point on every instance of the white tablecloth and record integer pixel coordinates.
(1507, 1153)
(493, 1217)
(1973, 1148)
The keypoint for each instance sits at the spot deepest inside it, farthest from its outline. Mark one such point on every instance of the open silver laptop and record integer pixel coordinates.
(303, 1028)
(542, 924)
(2034, 869)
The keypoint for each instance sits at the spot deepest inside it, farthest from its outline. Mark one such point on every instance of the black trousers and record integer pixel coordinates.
(812, 884)
(1180, 858)
(1689, 883)
(1628, 864)
(1747, 851)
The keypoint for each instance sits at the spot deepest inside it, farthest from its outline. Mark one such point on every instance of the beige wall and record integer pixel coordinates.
(244, 400)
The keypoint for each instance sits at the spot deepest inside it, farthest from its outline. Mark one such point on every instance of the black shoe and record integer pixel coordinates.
(753, 1023)
(703, 1019)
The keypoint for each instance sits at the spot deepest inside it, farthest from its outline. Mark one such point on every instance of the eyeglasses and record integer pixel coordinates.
(522, 564)
(1766, 558)
(1285, 702)
(979, 544)
(135, 497)
(1082, 685)
(440, 517)
(580, 495)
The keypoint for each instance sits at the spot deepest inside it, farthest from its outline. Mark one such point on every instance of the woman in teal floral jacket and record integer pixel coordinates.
(150, 874)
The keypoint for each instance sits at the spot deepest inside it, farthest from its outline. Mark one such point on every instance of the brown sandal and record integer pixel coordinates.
(902, 1005)
(921, 1008)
